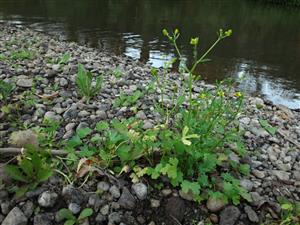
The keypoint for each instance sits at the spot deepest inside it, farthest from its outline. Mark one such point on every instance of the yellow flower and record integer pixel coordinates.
(238, 94)
(221, 93)
(194, 41)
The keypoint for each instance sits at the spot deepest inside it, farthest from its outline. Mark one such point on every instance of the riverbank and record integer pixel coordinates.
(43, 70)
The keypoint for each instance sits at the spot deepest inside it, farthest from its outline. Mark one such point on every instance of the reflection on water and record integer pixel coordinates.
(265, 47)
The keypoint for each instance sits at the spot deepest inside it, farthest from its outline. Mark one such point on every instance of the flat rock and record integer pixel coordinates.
(126, 200)
(175, 207)
(25, 82)
(15, 217)
(229, 215)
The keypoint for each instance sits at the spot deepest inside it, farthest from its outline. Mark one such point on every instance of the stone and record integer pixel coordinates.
(114, 218)
(215, 204)
(154, 203)
(63, 82)
(71, 194)
(104, 210)
(296, 175)
(259, 174)
(141, 115)
(70, 126)
(15, 217)
(24, 82)
(247, 184)
(256, 129)
(23, 138)
(5, 207)
(175, 207)
(28, 208)
(56, 67)
(74, 208)
(148, 125)
(140, 190)
(101, 114)
(52, 116)
(47, 199)
(103, 186)
(71, 112)
(44, 219)
(127, 201)
(166, 192)
(229, 215)
(115, 191)
(251, 214)
(281, 175)
(257, 199)
(186, 196)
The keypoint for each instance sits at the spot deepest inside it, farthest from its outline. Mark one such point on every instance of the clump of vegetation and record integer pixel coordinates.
(21, 55)
(6, 90)
(33, 168)
(84, 82)
(67, 215)
(127, 100)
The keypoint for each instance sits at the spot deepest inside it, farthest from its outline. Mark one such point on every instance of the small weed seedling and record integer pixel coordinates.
(84, 82)
(5, 90)
(127, 100)
(67, 215)
(32, 169)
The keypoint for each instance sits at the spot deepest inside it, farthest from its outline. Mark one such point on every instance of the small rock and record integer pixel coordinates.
(187, 196)
(15, 217)
(56, 67)
(51, 116)
(281, 175)
(229, 215)
(175, 207)
(71, 112)
(115, 191)
(114, 217)
(71, 194)
(154, 203)
(44, 219)
(103, 186)
(141, 115)
(63, 82)
(140, 190)
(25, 82)
(296, 175)
(104, 210)
(148, 125)
(214, 218)
(251, 214)
(28, 208)
(215, 205)
(247, 184)
(166, 192)
(74, 208)
(126, 200)
(101, 115)
(47, 199)
(259, 174)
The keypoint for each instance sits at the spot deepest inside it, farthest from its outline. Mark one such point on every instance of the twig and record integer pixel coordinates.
(288, 139)
(16, 151)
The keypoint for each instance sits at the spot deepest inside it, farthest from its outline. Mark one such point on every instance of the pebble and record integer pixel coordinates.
(47, 199)
(103, 186)
(140, 190)
(74, 208)
(214, 204)
(229, 215)
(251, 214)
(15, 217)
(115, 191)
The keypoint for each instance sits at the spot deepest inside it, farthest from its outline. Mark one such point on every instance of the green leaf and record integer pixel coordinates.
(21, 191)
(74, 142)
(84, 132)
(27, 167)
(43, 174)
(100, 126)
(187, 186)
(271, 130)
(85, 213)
(244, 169)
(287, 206)
(70, 222)
(66, 214)
(15, 173)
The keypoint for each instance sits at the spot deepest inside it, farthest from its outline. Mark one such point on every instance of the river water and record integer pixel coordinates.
(263, 54)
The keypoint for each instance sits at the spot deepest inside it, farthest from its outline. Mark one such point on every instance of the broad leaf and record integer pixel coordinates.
(85, 213)
(14, 172)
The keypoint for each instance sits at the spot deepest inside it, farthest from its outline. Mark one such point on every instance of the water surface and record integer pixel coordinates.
(264, 50)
